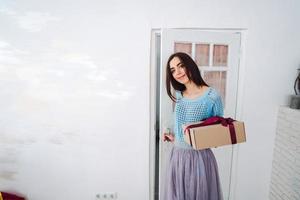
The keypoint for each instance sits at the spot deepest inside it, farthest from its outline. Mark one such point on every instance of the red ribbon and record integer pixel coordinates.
(9, 196)
(216, 120)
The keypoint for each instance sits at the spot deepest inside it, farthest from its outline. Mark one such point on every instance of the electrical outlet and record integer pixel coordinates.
(107, 196)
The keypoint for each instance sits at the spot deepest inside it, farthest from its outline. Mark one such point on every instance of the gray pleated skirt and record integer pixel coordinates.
(192, 175)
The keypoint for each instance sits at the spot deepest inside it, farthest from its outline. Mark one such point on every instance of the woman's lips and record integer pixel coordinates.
(180, 77)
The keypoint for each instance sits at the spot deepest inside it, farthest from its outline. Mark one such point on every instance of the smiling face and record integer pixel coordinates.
(178, 71)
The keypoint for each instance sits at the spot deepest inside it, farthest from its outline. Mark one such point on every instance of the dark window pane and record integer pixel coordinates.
(202, 54)
(220, 55)
(183, 47)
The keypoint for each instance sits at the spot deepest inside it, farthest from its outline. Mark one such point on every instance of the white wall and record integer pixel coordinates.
(74, 90)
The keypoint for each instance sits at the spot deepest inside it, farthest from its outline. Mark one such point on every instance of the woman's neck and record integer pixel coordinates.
(191, 88)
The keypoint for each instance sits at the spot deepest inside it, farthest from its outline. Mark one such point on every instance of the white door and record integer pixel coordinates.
(217, 55)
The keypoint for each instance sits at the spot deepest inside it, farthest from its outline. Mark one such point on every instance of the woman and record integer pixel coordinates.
(191, 174)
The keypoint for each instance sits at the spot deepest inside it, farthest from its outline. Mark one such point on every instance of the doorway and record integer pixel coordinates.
(217, 53)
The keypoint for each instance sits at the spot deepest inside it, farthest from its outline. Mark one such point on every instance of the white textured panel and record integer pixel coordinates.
(285, 179)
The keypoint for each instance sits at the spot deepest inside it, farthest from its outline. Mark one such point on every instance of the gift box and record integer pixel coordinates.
(214, 132)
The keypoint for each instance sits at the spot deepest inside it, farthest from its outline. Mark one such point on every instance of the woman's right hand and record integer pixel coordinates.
(169, 137)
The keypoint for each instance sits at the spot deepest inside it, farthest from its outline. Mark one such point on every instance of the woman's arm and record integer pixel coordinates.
(218, 108)
(168, 137)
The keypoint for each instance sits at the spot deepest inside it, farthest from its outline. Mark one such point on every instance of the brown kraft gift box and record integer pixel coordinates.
(214, 132)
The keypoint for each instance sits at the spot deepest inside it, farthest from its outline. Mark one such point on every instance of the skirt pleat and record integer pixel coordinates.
(192, 175)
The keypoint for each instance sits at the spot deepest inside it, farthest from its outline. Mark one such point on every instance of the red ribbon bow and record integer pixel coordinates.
(216, 120)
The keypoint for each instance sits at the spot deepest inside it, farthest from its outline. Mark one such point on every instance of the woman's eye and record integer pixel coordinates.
(172, 71)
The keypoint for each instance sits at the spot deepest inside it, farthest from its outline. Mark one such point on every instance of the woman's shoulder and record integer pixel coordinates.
(178, 94)
(213, 94)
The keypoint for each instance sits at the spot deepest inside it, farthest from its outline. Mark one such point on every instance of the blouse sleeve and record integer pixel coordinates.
(170, 123)
(218, 109)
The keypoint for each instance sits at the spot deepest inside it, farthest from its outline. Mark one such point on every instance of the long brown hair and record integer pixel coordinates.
(192, 72)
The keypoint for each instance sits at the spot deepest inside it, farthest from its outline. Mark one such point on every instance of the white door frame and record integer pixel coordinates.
(239, 105)
(152, 107)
